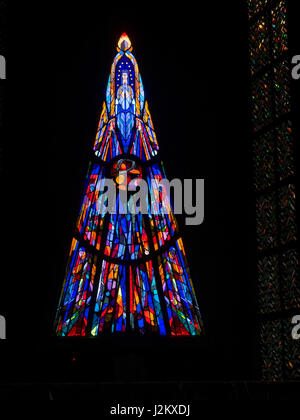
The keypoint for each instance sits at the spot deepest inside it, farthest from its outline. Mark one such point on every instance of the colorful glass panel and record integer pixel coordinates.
(91, 219)
(130, 284)
(145, 306)
(290, 280)
(110, 307)
(268, 285)
(182, 307)
(266, 222)
(282, 90)
(256, 6)
(74, 305)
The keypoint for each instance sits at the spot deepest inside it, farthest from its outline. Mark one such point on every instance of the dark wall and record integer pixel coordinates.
(193, 64)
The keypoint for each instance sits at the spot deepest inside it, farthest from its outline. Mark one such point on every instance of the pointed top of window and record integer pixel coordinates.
(124, 43)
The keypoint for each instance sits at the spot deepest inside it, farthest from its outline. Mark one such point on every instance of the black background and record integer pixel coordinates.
(194, 66)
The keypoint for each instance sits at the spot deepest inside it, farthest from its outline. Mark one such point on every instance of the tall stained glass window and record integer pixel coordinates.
(126, 272)
(274, 188)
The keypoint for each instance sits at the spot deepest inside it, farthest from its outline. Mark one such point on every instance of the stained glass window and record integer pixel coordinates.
(282, 89)
(259, 45)
(110, 307)
(291, 353)
(266, 222)
(127, 237)
(126, 271)
(287, 213)
(91, 218)
(290, 279)
(182, 308)
(256, 6)
(261, 102)
(273, 155)
(76, 293)
(2, 27)
(285, 150)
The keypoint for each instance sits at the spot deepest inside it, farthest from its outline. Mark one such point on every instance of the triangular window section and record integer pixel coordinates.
(126, 272)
